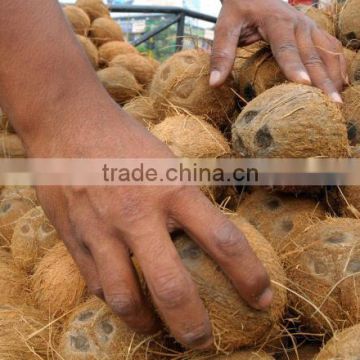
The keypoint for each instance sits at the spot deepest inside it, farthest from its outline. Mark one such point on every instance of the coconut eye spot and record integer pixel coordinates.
(25, 229)
(185, 89)
(188, 59)
(336, 238)
(250, 116)
(353, 266)
(263, 138)
(80, 343)
(5, 207)
(351, 131)
(165, 73)
(249, 92)
(107, 328)
(287, 225)
(192, 252)
(85, 316)
(273, 204)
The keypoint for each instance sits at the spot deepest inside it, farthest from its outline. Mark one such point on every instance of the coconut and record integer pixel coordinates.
(323, 267)
(304, 352)
(104, 30)
(10, 145)
(78, 19)
(191, 137)
(349, 201)
(109, 50)
(120, 83)
(280, 217)
(234, 323)
(90, 50)
(142, 68)
(239, 355)
(350, 57)
(182, 84)
(143, 110)
(291, 121)
(259, 73)
(344, 345)
(94, 8)
(322, 19)
(57, 284)
(33, 237)
(24, 333)
(349, 23)
(14, 203)
(351, 112)
(93, 332)
(355, 69)
(13, 282)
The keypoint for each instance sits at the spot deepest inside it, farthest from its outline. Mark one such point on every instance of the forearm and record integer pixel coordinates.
(43, 68)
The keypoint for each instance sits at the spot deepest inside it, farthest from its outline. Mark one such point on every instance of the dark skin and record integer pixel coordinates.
(59, 109)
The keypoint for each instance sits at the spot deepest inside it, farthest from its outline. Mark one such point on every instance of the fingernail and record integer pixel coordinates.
(304, 76)
(335, 96)
(265, 299)
(215, 77)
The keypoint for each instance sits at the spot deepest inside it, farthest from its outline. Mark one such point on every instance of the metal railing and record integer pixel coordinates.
(180, 16)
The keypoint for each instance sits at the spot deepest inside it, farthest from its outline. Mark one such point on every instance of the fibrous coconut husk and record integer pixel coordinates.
(239, 355)
(57, 285)
(5, 125)
(14, 203)
(191, 137)
(304, 352)
(93, 332)
(323, 270)
(351, 113)
(345, 345)
(350, 57)
(111, 49)
(321, 18)
(11, 145)
(349, 24)
(143, 110)
(291, 121)
(104, 29)
(142, 68)
(280, 217)
(259, 73)
(33, 237)
(120, 83)
(14, 287)
(234, 323)
(182, 83)
(90, 50)
(78, 19)
(355, 69)
(24, 333)
(94, 8)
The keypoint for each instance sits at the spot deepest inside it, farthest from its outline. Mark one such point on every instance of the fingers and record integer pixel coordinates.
(120, 284)
(228, 247)
(313, 60)
(227, 33)
(172, 289)
(281, 37)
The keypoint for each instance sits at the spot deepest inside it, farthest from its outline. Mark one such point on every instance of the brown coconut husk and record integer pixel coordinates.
(349, 24)
(57, 285)
(351, 113)
(78, 19)
(323, 271)
(345, 345)
(104, 29)
(348, 198)
(291, 121)
(280, 217)
(321, 18)
(111, 49)
(14, 203)
(94, 8)
(182, 84)
(239, 355)
(24, 334)
(33, 237)
(120, 83)
(5, 125)
(14, 287)
(259, 73)
(90, 50)
(355, 69)
(191, 137)
(350, 57)
(143, 110)
(142, 68)
(304, 352)
(93, 332)
(11, 145)
(234, 323)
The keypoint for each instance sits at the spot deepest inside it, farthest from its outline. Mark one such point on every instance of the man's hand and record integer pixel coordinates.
(305, 53)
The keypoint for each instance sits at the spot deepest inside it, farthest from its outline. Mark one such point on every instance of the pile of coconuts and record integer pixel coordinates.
(307, 238)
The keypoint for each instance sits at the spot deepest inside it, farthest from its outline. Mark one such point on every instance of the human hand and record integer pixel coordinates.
(305, 53)
(101, 226)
